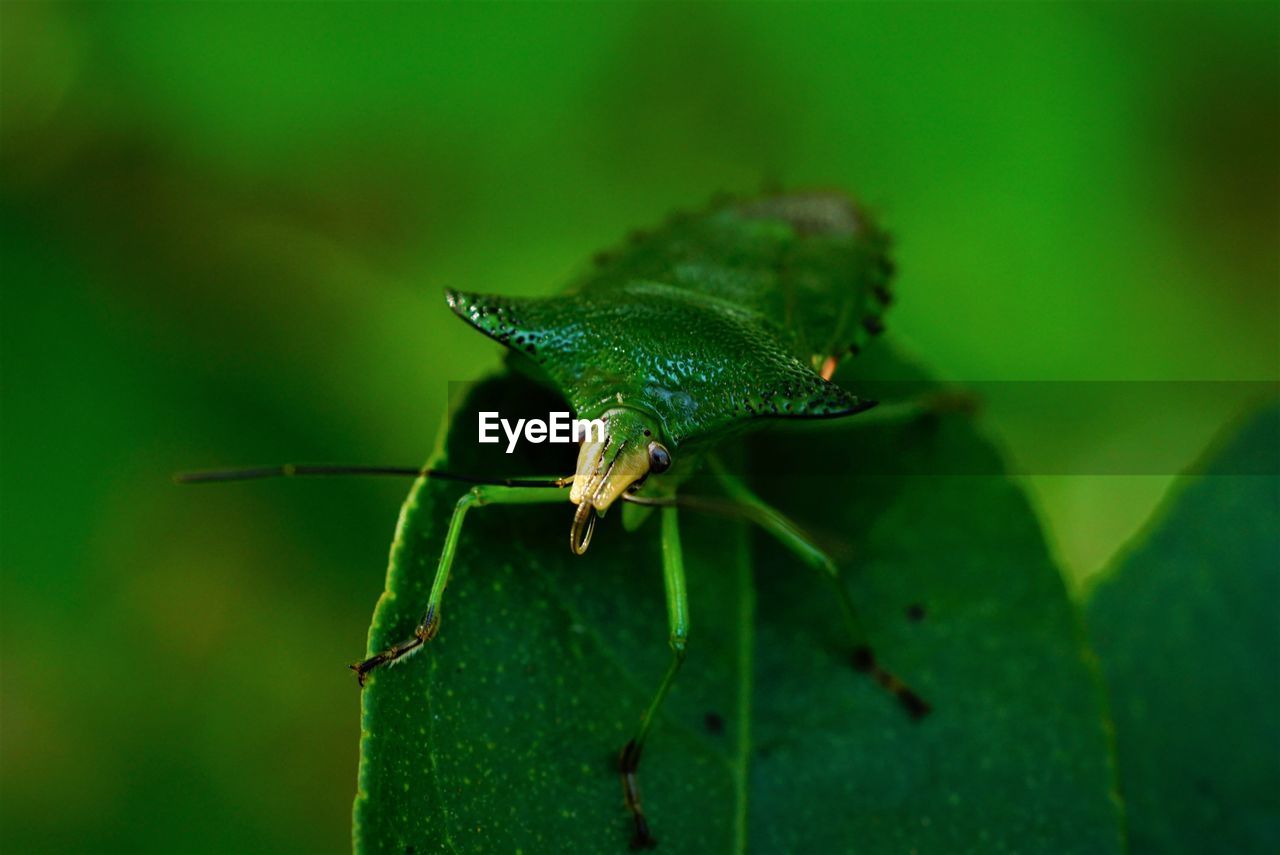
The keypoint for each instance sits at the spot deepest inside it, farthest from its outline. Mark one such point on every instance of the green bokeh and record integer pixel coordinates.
(226, 228)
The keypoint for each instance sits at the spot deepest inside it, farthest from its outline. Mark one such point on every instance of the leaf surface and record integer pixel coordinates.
(502, 736)
(1185, 626)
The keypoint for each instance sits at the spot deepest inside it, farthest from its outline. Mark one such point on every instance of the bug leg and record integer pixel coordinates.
(427, 628)
(678, 621)
(786, 532)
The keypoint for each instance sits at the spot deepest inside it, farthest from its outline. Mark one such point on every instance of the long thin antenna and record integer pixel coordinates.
(307, 470)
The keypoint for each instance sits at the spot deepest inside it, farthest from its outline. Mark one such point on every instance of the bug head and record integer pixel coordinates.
(610, 465)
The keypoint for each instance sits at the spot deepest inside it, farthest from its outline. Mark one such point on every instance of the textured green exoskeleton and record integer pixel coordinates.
(714, 323)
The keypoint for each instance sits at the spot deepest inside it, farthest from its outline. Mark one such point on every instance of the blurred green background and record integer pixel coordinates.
(226, 227)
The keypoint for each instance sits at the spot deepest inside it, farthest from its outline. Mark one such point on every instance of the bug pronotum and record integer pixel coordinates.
(713, 324)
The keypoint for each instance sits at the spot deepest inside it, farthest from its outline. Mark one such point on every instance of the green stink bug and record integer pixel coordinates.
(705, 328)
(714, 324)
(711, 325)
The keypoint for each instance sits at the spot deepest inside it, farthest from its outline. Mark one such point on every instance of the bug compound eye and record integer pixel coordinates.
(659, 458)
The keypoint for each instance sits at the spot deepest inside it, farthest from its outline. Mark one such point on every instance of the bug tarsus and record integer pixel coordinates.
(864, 660)
(421, 636)
(628, 764)
(641, 838)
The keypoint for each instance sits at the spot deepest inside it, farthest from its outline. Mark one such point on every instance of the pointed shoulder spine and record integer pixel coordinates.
(504, 319)
(809, 397)
(493, 316)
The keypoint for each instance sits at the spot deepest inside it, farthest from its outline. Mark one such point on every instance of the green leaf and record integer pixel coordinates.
(503, 734)
(1185, 626)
